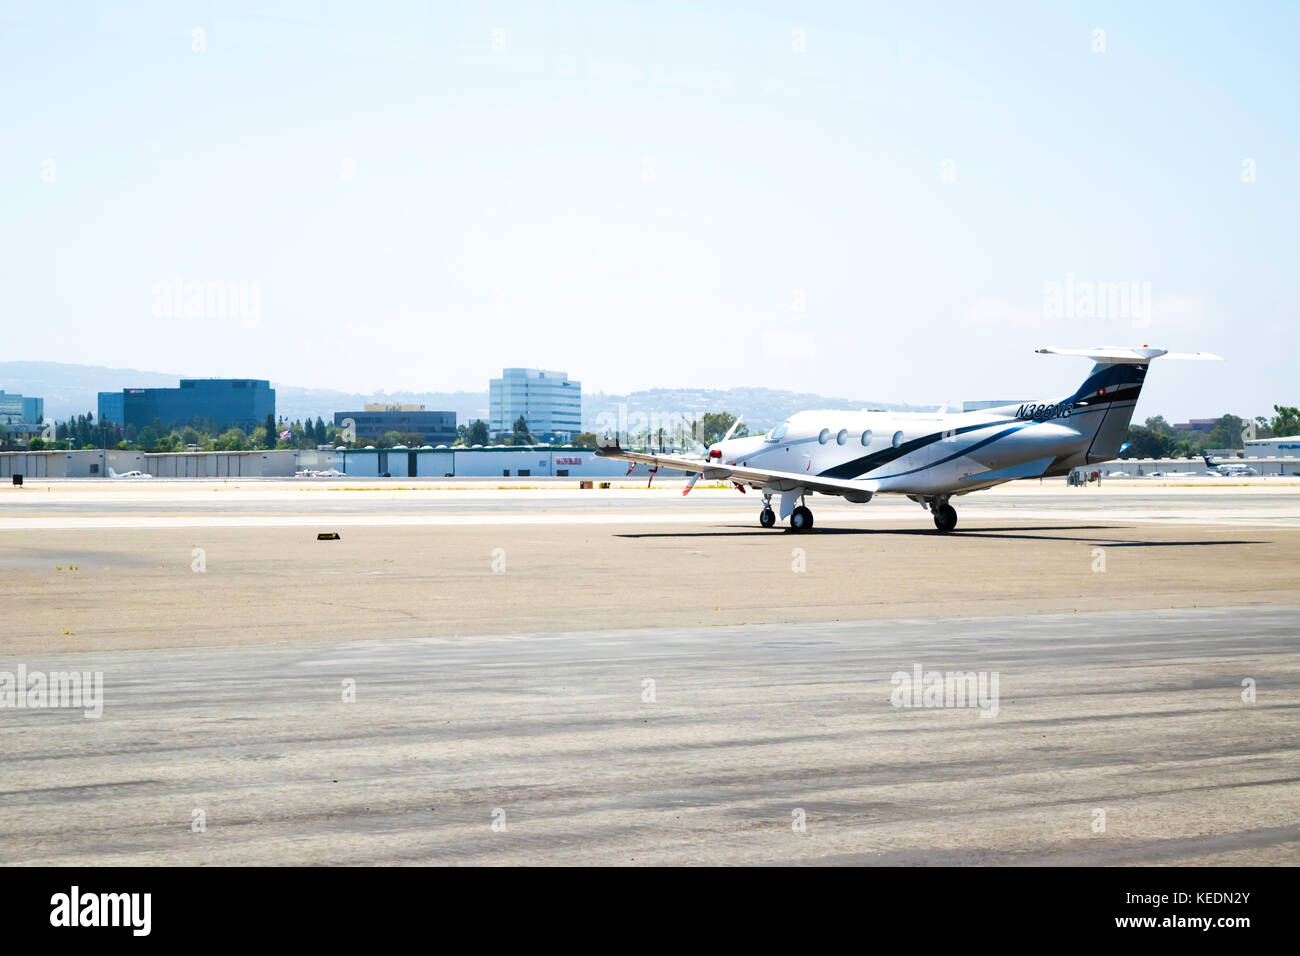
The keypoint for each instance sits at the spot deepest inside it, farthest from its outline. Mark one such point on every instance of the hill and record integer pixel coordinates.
(70, 389)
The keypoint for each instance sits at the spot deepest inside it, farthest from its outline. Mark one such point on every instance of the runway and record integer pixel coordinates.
(751, 729)
(93, 504)
(500, 643)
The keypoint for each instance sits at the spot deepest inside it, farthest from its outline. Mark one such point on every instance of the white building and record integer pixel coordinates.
(442, 462)
(549, 401)
(1287, 447)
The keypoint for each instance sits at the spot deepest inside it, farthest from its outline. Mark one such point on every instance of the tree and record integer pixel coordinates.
(271, 432)
(232, 439)
(519, 434)
(321, 436)
(148, 438)
(1146, 442)
(1286, 422)
(1226, 433)
(713, 425)
(585, 440)
(476, 433)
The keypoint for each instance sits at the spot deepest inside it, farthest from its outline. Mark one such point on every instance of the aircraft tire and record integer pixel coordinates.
(945, 518)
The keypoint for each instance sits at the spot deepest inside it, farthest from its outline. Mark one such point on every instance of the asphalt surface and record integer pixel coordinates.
(499, 645)
(749, 730)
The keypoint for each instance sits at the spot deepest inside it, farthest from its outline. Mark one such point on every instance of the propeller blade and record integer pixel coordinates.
(733, 427)
(691, 484)
(690, 430)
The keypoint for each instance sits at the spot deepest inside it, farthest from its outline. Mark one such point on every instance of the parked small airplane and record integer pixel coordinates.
(929, 457)
(128, 474)
(1229, 471)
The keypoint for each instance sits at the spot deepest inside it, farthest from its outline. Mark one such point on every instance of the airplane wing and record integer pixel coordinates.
(713, 470)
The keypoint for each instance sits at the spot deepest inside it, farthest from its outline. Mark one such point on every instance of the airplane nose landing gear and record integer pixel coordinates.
(767, 517)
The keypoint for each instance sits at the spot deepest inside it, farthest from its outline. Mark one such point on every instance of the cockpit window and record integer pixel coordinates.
(779, 431)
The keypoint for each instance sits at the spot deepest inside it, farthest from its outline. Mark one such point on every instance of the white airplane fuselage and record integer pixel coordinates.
(918, 453)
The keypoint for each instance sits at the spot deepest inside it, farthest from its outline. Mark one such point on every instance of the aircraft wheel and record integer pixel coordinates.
(801, 519)
(767, 517)
(945, 518)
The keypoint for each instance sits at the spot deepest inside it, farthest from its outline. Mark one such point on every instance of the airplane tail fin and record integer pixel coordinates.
(1103, 405)
(111, 472)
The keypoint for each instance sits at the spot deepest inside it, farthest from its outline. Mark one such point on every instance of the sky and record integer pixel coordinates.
(895, 202)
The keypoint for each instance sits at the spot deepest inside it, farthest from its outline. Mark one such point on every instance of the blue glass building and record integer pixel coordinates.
(226, 402)
(20, 414)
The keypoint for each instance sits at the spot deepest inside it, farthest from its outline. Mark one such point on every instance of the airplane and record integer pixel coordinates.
(128, 474)
(1230, 471)
(931, 457)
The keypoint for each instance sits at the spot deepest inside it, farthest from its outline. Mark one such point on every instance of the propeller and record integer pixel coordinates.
(691, 429)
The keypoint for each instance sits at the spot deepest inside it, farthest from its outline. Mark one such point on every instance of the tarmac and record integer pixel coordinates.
(484, 675)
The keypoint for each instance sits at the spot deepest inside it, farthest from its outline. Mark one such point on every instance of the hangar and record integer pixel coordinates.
(541, 461)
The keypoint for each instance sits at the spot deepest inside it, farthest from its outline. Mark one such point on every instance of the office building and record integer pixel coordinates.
(376, 420)
(550, 403)
(225, 402)
(20, 414)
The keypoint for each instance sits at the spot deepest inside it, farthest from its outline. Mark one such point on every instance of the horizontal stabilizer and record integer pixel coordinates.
(1126, 355)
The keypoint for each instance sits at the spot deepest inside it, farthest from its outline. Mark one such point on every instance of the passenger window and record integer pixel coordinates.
(898, 439)
(866, 438)
(842, 437)
(825, 436)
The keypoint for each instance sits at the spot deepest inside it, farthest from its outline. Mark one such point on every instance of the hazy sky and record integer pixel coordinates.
(883, 201)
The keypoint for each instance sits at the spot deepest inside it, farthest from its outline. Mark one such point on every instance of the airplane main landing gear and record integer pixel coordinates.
(801, 519)
(767, 517)
(945, 516)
